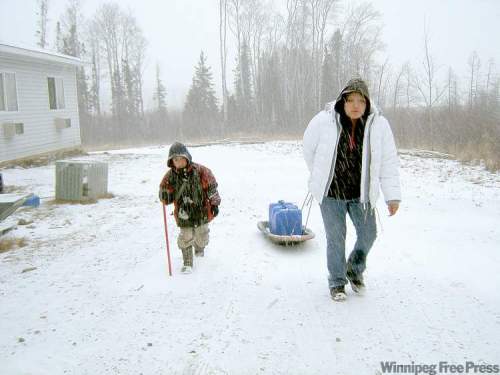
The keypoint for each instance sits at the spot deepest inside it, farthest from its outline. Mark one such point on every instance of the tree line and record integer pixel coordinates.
(290, 63)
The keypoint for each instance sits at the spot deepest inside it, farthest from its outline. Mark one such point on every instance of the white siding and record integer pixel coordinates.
(40, 134)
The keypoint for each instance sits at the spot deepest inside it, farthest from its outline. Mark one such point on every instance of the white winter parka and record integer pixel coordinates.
(380, 162)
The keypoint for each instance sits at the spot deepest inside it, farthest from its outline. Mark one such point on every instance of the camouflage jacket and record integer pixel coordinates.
(193, 191)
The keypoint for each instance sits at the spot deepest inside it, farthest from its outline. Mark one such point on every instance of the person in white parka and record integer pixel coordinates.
(350, 152)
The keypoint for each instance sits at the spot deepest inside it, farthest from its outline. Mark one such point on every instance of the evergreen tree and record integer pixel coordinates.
(327, 79)
(243, 80)
(336, 53)
(200, 111)
(131, 89)
(82, 88)
(59, 41)
(273, 108)
(160, 118)
(117, 95)
(95, 89)
(243, 88)
(68, 42)
(160, 93)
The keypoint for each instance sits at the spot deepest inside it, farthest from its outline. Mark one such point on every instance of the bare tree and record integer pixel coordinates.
(291, 44)
(95, 62)
(315, 54)
(254, 22)
(123, 46)
(223, 56)
(70, 43)
(41, 33)
(383, 76)
(361, 35)
(274, 33)
(397, 87)
(257, 25)
(489, 75)
(235, 24)
(133, 59)
(452, 90)
(474, 65)
(489, 85)
(109, 28)
(399, 115)
(321, 11)
(408, 82)
(428, 86)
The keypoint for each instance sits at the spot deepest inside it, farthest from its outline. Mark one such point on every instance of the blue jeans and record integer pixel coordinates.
(334, 219)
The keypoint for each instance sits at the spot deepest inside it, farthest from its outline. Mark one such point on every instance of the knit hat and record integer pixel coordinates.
(178, 149)
(354, 85)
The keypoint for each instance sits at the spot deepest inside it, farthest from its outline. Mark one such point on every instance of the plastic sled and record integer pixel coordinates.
(8, 204)
(285, 240)
(11, 202)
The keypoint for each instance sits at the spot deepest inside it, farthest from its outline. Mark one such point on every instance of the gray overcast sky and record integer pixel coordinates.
(177, 30)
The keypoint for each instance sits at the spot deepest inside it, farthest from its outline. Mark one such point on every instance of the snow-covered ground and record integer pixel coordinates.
(100, 300)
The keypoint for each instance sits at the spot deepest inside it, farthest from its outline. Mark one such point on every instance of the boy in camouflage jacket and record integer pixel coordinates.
(192, 189)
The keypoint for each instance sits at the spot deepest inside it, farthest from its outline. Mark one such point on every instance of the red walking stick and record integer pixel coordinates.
(166, 239)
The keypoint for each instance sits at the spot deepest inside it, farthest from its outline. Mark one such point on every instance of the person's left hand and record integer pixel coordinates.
(215, 210)
(393, 207)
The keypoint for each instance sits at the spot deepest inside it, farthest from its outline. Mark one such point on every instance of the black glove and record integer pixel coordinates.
(215, 210)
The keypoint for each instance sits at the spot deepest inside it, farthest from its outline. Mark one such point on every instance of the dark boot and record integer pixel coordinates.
(357, 261)
(187, 257)
(199, 251)
(338, 293)
(357, 283)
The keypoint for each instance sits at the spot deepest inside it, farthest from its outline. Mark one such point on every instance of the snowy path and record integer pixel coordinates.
(100, 300)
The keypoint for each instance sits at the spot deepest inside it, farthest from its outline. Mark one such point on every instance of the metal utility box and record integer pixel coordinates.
(81, 180)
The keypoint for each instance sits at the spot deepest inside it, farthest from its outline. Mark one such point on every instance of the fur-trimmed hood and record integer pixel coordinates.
(354, 85)
(178, 149)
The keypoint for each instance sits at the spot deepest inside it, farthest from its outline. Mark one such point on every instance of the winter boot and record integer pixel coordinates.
(199, 251)
(338, 293)
(187, 257)
(357, 283)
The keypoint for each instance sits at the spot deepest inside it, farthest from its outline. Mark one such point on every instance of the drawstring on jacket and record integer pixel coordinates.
(352, 139)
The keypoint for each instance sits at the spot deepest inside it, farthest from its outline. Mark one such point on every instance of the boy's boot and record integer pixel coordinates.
(187, 257)
(199, 251)
(357, 282)
(357, 258)
(338, 293)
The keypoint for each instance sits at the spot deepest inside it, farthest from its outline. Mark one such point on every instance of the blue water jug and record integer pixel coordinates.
(280, 205)
(285, 219)
(33, 201)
